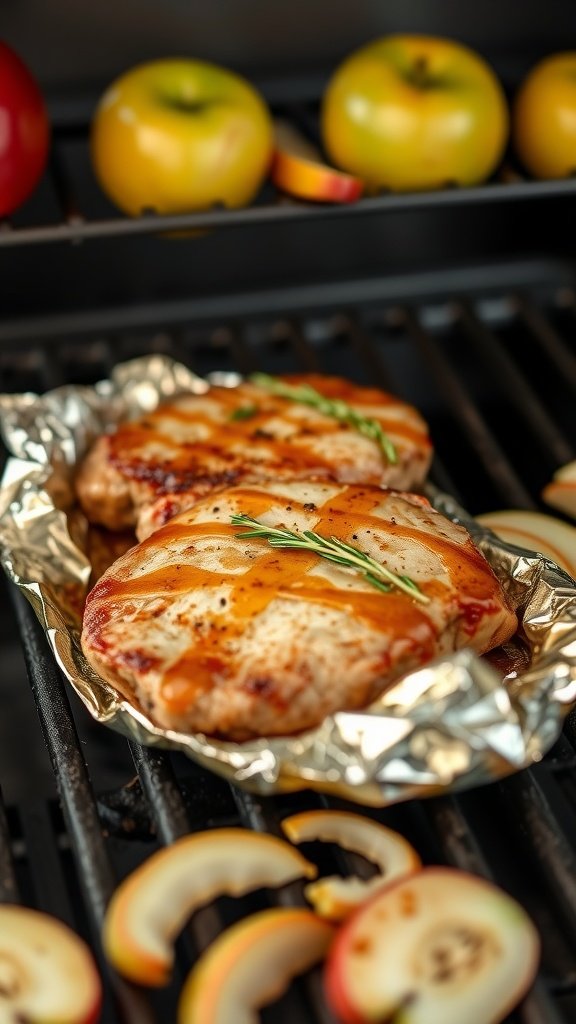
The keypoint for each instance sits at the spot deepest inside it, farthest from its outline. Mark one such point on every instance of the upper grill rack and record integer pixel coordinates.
(73, 210)
(478, 381)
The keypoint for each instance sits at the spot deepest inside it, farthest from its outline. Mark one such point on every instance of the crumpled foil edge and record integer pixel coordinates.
(452, 724)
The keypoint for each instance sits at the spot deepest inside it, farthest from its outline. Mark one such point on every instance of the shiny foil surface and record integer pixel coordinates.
(452, 724)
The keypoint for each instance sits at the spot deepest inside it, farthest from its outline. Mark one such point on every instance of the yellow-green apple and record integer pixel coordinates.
(298, 168)
(152, 905)
(415, 112)
(251, 964)
(440, 947)
(335, 898)
(181, 135)
(537, 532)
(47, 973)
(544, 118)
(560, 493)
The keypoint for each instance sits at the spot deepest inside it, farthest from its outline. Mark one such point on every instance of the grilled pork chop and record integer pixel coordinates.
(151, 469)
(220, 634)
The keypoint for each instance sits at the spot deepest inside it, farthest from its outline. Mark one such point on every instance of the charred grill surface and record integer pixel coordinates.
(470, 365)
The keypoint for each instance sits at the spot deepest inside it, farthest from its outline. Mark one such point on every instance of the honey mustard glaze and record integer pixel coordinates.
(210, 440)
(271, 573)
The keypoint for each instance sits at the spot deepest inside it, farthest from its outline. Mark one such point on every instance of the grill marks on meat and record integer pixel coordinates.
(225, 635)
(151, 469)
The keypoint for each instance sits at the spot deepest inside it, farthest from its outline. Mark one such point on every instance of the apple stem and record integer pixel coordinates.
(420, 76)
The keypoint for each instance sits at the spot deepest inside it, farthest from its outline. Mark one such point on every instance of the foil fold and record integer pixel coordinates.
(452, 724)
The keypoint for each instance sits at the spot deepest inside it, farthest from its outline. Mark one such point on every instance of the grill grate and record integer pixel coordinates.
(74, 210)
(474, 370)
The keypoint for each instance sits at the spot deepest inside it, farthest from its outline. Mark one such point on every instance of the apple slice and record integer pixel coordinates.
(47, 973)
(152, 905)
(536, 531)
(440, 947)
(251, 964)
(335, 898)
(560, 493)
(298, 168)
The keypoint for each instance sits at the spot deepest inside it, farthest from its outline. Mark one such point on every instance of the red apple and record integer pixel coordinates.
(439, 947)
(24, 132)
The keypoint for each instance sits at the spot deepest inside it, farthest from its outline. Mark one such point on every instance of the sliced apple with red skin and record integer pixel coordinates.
(440, 947)
(335, 898)
(251, 964)
(537, 532)
(151, 906)
(560, 493)
(47, 974)
(298, 168)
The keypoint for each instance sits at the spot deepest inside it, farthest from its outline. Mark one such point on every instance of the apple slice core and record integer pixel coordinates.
(440, 947)
(251, 964)
(151, 906)
(334, 897)
(47, 973)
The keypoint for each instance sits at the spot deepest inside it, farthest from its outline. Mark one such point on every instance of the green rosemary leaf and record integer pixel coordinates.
(333, 407)
(244, 412)
(333, 550)
(384, 587)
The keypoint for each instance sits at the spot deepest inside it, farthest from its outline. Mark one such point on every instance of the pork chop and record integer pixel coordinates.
(150, 469)
(215, 633)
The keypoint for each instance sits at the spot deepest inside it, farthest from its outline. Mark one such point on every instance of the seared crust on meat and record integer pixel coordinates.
(151, 469)
(224, 635)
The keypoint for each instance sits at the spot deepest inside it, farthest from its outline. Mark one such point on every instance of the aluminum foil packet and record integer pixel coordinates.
(457, 722)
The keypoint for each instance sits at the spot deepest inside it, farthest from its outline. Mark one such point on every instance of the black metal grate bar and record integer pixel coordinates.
(520, 393)
(8, 884)
(75, 791)
(466, 412)
(52, 894)
(63, 189)
(305, 352)
(254, 814)
(74, 229)
(373, 362)
(371, 358)
(67, 762)
(457, 840)
(172, 822)
(541, 815)
(552, 344)
(241, 353)
(162, 792)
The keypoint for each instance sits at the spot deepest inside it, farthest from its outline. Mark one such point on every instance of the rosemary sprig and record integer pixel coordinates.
(244, 412)
(334, 407)
(335, 551)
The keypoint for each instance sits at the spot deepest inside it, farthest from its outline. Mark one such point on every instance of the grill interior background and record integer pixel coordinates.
(426, 295)
(477, 368)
